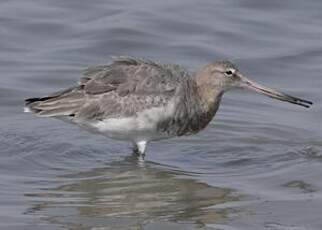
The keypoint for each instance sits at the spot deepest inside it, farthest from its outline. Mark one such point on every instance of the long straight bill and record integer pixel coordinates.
(245, 83)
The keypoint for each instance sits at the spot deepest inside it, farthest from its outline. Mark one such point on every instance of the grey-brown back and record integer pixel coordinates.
(122, 88)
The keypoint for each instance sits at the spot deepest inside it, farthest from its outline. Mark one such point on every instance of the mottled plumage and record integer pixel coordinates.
(122, 88)
(141, 101)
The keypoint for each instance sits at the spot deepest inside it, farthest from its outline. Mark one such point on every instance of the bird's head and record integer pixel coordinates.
(221, 76)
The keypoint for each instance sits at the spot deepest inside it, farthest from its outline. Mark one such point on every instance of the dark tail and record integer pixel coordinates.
(63, 103)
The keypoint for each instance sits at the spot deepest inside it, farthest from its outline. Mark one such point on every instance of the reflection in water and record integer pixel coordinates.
(302, 185)
(129, 195)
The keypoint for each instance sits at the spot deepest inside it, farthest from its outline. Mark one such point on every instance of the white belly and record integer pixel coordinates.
(141, 127)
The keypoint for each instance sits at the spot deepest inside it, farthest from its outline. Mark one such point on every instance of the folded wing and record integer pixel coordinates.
(114, 89)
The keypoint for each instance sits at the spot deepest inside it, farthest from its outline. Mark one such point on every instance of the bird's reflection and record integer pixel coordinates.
(128, 195)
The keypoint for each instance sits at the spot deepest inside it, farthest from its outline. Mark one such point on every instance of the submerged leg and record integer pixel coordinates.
(140, 148)
(135, 149)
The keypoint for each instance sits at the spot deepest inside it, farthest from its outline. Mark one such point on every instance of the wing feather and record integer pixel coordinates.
(108, 90)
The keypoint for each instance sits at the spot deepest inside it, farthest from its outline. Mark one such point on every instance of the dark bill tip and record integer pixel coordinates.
(296, 100)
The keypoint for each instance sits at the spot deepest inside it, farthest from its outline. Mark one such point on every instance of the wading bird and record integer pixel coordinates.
(141, 101)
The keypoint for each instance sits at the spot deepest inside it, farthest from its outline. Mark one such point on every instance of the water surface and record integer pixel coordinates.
(258, 165)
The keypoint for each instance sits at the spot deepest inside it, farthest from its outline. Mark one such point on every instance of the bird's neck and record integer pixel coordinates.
(196, 108)
(208, 95)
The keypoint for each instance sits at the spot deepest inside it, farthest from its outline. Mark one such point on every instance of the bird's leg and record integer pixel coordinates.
(135, 149)
(140, 148)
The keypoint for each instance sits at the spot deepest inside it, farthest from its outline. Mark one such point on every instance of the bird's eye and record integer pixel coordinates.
(229, 72)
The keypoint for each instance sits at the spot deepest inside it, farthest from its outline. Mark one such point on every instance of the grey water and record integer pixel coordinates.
(258, 165)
